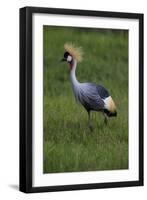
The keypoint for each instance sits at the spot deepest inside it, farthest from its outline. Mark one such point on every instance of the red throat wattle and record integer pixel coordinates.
(70, 66)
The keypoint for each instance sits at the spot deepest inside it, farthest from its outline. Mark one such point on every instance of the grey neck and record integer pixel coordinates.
(74, 82)
(73, 78)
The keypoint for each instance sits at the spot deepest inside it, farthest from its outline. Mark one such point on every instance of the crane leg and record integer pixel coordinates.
(105, 118)
(89, 122)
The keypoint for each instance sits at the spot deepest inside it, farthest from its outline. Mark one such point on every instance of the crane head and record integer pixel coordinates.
(72, 52)
(67, 57)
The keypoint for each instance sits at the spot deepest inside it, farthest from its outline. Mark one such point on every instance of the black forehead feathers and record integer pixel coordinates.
(66, 54)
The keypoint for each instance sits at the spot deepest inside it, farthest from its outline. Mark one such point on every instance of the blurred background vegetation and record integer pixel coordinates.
(68, 144)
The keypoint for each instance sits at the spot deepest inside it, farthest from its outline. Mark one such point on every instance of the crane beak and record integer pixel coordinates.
(62, 60)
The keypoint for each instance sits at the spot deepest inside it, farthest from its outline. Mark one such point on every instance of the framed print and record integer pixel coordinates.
(81, 99)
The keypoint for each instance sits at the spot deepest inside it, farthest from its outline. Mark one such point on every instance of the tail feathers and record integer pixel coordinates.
(110, 108)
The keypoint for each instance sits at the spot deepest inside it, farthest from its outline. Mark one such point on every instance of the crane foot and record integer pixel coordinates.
(105, 121)
(91, 128)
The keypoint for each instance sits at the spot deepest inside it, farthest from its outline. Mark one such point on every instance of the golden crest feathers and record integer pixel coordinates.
(74, 51)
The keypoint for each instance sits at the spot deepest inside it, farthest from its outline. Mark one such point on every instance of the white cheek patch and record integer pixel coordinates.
(69, 58)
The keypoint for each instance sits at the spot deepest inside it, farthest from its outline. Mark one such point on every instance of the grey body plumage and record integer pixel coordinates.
(91, 96)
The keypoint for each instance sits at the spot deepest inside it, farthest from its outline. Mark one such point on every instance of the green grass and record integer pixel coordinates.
(68, 143)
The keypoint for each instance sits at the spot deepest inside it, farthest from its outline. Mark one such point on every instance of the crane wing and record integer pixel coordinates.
(89, 96)
(102, 91)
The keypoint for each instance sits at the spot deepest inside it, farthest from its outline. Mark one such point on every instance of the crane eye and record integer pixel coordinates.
(66, 54)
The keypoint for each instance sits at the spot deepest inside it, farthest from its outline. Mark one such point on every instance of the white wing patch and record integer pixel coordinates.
(109, 104)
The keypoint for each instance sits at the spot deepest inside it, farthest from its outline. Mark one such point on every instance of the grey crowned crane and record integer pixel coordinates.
(93, 97)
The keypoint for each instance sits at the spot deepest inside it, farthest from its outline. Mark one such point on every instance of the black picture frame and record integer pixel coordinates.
(26, 170)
